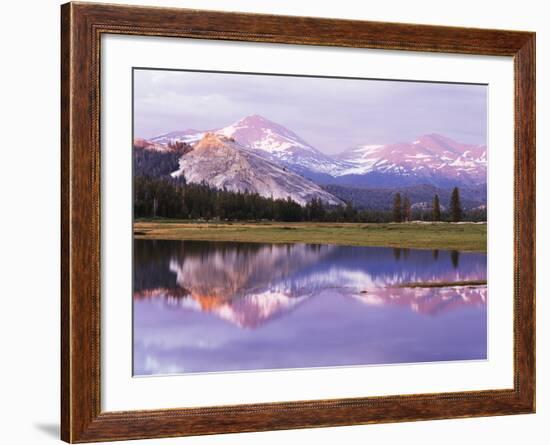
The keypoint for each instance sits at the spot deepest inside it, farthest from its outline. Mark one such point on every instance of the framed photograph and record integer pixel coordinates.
(274, 222)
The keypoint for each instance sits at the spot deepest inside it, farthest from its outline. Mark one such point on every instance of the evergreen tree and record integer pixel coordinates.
(406, 216)
(397, 213)
(315, 210)
(455, 208)
(349, 212)
(436, 209)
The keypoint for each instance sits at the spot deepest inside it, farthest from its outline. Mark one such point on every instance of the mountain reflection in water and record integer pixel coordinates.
(217, 306)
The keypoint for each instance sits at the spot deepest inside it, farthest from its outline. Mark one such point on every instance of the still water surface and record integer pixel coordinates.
(218, 306)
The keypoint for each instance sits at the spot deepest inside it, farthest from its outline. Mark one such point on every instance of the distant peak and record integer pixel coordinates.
(141, 142)
(438, 140)
(256, 119)
(434, 136)
(151, 146)
(258, 122)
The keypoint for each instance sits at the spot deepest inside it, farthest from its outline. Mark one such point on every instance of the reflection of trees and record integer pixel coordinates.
(152, 258)
(455, 256)
(435, 254)
(397, 253)
(151, 264)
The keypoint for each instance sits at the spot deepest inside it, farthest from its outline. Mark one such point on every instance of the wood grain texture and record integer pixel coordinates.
(81, 28)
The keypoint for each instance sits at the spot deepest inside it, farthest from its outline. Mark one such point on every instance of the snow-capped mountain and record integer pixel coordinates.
(222, 162)
(271, 140)
(430, 159)
(433, 159)
(282, 145)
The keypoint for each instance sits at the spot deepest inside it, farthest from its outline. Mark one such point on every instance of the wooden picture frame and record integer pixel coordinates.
(82, 25)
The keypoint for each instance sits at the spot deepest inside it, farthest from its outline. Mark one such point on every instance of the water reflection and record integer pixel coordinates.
(212, 306)
(455, 257)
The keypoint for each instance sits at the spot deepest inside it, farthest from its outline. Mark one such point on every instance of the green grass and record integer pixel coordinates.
(464, 237)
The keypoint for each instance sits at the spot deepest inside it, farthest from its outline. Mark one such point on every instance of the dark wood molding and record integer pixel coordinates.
(82, 25)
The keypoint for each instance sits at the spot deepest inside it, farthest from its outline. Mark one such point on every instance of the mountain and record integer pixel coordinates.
(430, 159)
(271, 140)
(222, 162)
(279, 144)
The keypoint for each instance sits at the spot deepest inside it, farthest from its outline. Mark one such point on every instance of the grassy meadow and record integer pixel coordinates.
(445, 236)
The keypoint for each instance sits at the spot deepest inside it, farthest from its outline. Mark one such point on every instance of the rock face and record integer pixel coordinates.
(221, 162)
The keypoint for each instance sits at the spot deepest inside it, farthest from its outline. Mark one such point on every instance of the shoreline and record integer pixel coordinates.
(431, 284)
(463, 237)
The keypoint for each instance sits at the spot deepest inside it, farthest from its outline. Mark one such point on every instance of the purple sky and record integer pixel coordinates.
(331, 114)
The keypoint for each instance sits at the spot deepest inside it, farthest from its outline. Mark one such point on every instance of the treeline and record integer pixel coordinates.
(173, 198)
(403, 211)
(378, 198)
